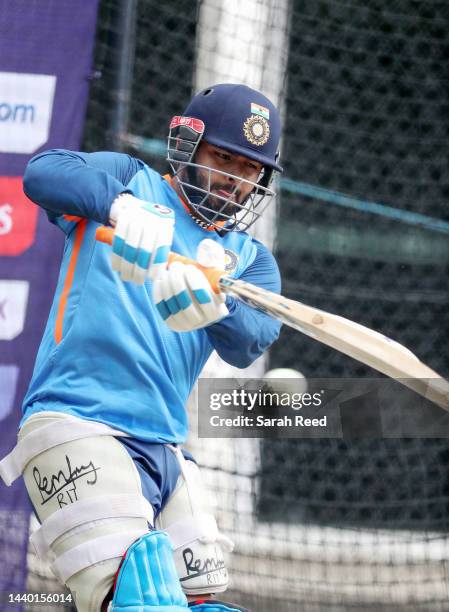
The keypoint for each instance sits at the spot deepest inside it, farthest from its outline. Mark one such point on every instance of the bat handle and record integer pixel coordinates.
(213, 275)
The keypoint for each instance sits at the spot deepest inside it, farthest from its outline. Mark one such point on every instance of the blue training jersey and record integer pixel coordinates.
(106, 354)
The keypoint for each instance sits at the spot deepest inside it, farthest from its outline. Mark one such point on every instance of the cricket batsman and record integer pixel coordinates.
(122, 508)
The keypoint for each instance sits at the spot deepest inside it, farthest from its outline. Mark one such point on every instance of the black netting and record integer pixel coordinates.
(161, 80)
(367, 116)
(389, 484)
(363, 232)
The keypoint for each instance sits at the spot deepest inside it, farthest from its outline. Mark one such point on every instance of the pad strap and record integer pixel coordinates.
(203, 526)
(46, 437)
(83, 512)
(94, 551)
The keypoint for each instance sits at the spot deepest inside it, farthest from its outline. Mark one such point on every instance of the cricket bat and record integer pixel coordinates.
(357, 341)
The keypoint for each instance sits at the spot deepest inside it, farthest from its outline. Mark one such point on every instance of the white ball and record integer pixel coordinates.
(286, 380)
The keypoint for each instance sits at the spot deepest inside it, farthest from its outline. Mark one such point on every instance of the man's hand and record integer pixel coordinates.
(142, 238)
(182, 293)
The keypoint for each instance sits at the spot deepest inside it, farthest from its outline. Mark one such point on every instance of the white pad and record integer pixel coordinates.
(86, 524)
(53, 434)
(198, 544)
(83, 512)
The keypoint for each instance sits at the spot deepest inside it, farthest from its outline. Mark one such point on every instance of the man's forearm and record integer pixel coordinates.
(244, 335)
(63, 183)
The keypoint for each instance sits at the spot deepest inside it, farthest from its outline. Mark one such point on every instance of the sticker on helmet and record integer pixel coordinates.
(256, 130)
(231, 260)
(195, 124)
(257, 109)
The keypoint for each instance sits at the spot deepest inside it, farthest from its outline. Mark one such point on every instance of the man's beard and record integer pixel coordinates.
(205, 205)
(216, 201)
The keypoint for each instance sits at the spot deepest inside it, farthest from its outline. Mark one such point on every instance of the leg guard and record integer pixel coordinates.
(87, 494)
(198, 545)
(147, 580)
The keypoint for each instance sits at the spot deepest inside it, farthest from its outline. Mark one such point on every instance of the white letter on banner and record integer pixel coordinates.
(26, 105)
(13, 304)
(9, 375)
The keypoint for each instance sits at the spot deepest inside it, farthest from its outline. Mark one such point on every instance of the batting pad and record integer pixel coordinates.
(88, 497)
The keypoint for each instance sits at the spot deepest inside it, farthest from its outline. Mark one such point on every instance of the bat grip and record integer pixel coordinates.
(213, 275)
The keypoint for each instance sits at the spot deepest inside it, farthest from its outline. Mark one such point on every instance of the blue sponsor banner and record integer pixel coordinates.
(46, 50)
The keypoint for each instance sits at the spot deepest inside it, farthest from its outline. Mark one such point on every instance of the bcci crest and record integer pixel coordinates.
(256, 130)
(231, 260)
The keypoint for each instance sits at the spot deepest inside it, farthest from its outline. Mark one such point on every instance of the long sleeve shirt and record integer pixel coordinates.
(106, 354)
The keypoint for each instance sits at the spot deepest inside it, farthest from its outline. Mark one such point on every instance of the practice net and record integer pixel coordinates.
(362, 230)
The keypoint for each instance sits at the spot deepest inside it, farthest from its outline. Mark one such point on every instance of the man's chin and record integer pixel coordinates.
(217, 218)
(223, 213)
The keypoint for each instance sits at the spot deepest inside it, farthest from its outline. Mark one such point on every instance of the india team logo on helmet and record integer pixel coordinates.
(256, 130)
(242, 122)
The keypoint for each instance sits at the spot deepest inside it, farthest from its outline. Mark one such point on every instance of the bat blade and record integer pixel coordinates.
(352, 339)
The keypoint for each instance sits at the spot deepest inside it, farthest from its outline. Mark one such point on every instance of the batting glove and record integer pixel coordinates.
(183, 296)
(142, 238)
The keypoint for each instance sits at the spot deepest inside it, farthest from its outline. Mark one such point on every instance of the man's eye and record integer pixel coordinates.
(222, 155)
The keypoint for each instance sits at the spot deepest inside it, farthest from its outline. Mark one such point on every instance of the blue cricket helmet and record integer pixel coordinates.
(240, 120)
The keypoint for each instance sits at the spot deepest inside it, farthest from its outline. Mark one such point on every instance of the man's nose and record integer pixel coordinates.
(238, 169)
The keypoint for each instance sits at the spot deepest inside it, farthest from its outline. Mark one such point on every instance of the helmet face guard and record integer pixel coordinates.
(236, 119)
(219, 212)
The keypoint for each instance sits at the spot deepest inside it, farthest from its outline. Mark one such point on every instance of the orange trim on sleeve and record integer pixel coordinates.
(169, 180)
(79, 234)
(72, 218)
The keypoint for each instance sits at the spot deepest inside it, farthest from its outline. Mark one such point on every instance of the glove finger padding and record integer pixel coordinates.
(164, 300)
(127, 266)
(189, 314)
(211, 304)
(142, 238)
(185, 299)
(171, 297)
(119, 244)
